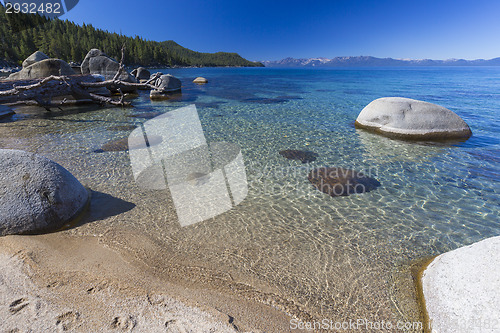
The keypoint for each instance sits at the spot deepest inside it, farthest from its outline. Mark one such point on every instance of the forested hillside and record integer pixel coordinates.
(71, 42)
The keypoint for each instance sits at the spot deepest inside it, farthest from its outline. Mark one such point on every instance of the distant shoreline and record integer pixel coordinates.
(369, 61)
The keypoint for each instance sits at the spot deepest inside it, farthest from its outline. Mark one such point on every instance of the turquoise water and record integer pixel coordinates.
(293, 246)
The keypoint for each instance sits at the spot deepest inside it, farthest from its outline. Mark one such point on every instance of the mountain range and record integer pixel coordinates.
(368, 61)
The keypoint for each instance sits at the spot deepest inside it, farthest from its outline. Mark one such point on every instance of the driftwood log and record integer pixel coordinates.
(42, 91)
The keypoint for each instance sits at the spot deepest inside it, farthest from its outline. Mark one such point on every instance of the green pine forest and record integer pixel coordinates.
(23, 34)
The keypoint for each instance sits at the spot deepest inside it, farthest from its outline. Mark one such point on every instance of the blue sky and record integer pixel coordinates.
(272, 30)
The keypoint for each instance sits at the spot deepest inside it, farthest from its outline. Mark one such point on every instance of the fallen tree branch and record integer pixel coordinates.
(118, 83)
(18, 89)
(42, 91)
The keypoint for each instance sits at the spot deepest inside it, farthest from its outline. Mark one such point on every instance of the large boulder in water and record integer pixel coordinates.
(35, 57)
(341, 182)
(166, 84)
(97, 62)
(141, 74)
(37, 194)
(407, 118)
(43, 68)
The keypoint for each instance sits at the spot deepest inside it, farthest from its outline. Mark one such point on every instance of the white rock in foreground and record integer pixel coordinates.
(412, 119)
(36, 194)
(462, 289)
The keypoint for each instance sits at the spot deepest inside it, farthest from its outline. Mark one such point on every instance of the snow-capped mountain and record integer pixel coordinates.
(368, 61)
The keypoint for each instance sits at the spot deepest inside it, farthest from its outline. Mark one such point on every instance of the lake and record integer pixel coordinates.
(288, 244)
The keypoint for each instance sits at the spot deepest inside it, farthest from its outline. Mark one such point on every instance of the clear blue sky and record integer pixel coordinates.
(275, 29)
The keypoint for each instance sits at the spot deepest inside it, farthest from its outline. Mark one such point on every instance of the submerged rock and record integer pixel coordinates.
(462, 288)
(37, 194)
(34, 57)
(127, 143)
(412, 119)
(212, 105)
(341, 182)
(43, 68)
(121, 128)
(146, 115)
(303, 156)
(262, 100)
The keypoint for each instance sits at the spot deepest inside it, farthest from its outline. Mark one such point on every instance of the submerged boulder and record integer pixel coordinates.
(127, 143)
(34, 57)
(407, 118)
(43, 68)
(37, 194)
(301, 155)
(341, 182)
(168, 84)
(462, 288)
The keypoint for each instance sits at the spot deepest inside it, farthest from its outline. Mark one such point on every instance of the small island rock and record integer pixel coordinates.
(43, 68)
(200, 80)
(411, 119)
(35, 57)
(37, 194)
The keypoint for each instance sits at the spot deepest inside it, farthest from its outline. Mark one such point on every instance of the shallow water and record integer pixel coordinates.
(311, 254)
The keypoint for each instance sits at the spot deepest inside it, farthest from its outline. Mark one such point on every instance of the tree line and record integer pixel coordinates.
(23, 34)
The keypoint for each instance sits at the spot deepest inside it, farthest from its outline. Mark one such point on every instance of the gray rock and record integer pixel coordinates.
(36, 194)
(412, 119)
(97, 62)
(168, 84)
(43, 69)
(462, 289)
(141, 73)
(35, 57)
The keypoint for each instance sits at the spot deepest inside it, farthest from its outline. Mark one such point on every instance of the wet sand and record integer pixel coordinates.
(59, 282)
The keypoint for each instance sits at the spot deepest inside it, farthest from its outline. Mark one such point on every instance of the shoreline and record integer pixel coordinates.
(78, 282)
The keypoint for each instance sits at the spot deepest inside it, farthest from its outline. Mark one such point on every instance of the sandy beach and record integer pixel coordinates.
(58, 282)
